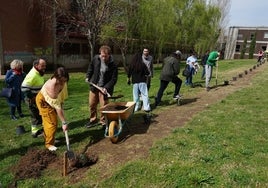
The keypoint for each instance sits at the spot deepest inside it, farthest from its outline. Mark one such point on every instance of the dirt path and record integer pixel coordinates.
(141, 137)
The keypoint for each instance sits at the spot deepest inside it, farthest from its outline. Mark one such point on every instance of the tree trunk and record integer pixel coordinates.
(54, 26)
(2, 63)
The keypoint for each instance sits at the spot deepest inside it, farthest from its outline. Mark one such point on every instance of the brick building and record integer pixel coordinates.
(25, 34)
(236, 37)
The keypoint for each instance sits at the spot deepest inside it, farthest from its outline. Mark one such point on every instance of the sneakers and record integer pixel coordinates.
(177, 97)
(207, 88)
(52, 148)
(22, 115)
(90, 124)
(13, 117)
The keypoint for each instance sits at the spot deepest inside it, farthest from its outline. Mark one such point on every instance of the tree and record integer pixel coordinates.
(252, 46)
(1, 54)
(95, 14)
(244, 47)
(121, 28)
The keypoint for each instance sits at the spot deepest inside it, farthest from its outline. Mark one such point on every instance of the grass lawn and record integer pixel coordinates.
(225, 145)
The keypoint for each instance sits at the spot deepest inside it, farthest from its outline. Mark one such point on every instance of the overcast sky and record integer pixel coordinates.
(248, 13)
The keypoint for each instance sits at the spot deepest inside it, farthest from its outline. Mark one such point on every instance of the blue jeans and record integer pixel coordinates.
(141, 89)
(189, 80)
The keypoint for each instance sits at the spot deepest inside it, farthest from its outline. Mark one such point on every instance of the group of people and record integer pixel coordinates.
(45, 98)
(208, 61)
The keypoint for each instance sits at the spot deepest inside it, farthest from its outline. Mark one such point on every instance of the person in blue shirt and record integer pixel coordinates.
(14, 78)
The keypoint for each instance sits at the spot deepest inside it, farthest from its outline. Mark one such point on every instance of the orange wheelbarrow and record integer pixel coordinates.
(116, 115)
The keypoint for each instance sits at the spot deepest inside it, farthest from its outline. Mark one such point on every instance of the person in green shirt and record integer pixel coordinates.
(211, 62)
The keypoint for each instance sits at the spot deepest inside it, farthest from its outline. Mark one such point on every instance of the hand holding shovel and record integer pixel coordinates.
(101, 89)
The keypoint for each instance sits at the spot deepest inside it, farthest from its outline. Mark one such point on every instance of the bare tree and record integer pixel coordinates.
(95, 14)
(224, 7)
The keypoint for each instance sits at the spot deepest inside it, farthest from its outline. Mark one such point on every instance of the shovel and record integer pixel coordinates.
(70, 154)
(217, 67)
(100, 89)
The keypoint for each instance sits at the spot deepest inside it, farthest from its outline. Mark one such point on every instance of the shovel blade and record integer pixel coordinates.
(70, 155)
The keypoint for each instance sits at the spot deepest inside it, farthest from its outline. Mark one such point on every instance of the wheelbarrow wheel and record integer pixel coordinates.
(113, 129)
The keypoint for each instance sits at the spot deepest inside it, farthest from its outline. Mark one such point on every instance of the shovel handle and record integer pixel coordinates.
(67, 140)
(100, 89)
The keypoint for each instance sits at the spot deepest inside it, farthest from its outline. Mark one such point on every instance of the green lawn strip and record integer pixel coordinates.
(223, 146)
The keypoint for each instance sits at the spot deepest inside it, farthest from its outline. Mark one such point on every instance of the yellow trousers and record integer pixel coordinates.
(49, 120)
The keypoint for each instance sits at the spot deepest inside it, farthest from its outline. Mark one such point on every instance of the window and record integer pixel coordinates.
(252, 35)
(237, 48)
(239, 36)
(69, 48)
(265, 35)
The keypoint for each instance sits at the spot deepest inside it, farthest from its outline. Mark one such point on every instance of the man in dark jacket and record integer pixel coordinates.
(102, 72)
(171, 68)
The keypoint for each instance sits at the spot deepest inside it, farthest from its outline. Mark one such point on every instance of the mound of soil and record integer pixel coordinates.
(35, 160)
(32, 163)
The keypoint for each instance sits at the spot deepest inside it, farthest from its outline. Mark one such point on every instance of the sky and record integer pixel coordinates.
(248, 13)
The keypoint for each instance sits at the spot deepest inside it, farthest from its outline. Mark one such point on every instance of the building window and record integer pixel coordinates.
(240, 36)
(69, 48)
(252, 35)
(237, 48)
(263, 48)
(265, 35)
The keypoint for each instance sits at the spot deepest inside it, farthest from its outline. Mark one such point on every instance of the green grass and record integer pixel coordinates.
(225, 145)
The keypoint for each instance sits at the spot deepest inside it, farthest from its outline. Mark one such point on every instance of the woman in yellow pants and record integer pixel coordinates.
(50, 104)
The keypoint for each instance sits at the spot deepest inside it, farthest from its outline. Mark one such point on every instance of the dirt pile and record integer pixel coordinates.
(32, 163)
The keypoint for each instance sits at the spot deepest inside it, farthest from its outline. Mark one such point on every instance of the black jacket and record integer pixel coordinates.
(140, 76)
(171, 68)
(110, 76)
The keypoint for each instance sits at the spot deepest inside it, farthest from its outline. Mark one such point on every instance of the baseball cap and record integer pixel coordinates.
(178, 52)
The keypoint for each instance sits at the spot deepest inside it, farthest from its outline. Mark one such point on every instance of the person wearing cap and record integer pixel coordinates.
(170, 70)
(211, 62)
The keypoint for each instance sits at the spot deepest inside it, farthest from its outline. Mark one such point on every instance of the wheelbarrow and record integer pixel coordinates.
(116, 115)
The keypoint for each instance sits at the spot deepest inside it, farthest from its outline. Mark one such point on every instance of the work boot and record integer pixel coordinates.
(38, 133)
